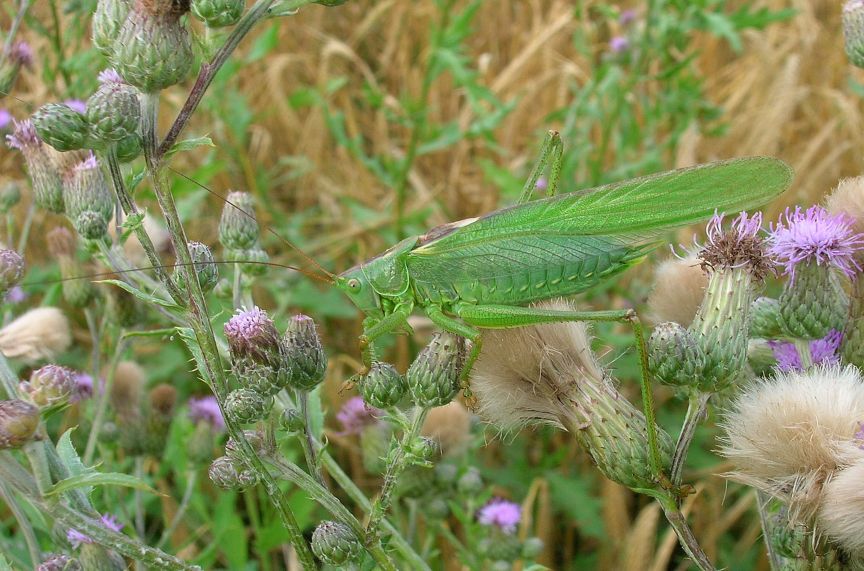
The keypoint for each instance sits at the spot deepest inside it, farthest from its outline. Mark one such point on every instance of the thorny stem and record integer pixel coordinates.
(199, 321)
(685, 535)
(395, 468)
(696, 407)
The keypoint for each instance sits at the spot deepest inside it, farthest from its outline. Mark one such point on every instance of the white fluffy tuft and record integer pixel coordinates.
(38, 335)
(841, 516)
(848, 198)
(679, 286)
(788, 435)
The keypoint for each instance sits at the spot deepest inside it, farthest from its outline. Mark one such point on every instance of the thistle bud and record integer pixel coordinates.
(10, 195)
(114, 111)
(532, 547)
(238, 227)
(471, 482)
(335, 543)
(49, 385)
(18, 56)
(59, 563)
(765, 318)
(107, 21)
(61, 126)
(218, 13)
(62, 246)
(305, 356)
(18, 422)
(423, 449)
(674, 357)
(292, 421)
(416, 482)
(225, 474)
(129, 148)
(436, 508)
(446, 475)
(502, 548)
(44, 174)
(257, 353)
(89, 203)
(205, 268)
(383, 386)
(246, 405)
(153, 49)
(433, 377)
(163, 399)
(253, 262)
(853, 31)
(256, 439)
(11, 270)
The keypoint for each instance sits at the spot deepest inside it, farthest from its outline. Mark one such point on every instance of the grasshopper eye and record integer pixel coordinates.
(354, 284)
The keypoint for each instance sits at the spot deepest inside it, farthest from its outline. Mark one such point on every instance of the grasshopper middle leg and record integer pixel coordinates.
(552, 156)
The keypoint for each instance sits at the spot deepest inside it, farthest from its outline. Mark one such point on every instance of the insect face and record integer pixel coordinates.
(358, 289)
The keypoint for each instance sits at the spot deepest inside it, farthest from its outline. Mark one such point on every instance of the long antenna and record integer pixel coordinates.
(169, 266)
(266, 227)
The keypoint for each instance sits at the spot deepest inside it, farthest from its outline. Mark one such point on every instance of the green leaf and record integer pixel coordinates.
(146, 297)
(189, 144)
(135, 180)
(99, 479)
(264, 44)
(131, 224)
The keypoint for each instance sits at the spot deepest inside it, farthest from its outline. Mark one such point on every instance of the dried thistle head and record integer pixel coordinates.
(449, 426)
(38, 335)
(128, 388)
(841, 515)
(848, 198)
(679, 286)
(790, 434)
(738, 247)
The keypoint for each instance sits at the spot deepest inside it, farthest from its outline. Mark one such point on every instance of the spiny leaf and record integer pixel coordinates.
(99, 479)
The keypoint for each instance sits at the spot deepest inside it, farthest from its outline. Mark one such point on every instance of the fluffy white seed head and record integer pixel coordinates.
(841, 516)
(679, 286)
(528, 375)
(789, 434)
(848, 198)
(38, 335)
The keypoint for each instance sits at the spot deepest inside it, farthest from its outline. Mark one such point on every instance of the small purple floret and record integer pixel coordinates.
(22, 53)
(542, 183)
(619, 44)
(87, 164)
(110, 75)
(76, 105)
(111, 523)
(822, 352)
(355, 415)
(815, 235)
(16, 295)
(24, 136)
(206, 409)
(83, 387)
(5, 118)
(786, 356)
(627, 17)
(76, 538)
(501, 513)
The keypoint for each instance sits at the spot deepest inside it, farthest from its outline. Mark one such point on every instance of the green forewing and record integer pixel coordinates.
(601, 228)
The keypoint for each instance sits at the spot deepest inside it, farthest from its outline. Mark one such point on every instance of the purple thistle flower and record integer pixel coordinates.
(5, 118)
(87, 164)
(501, 513)
(822, 352)
(76, 105)
(619, 44)
(814, 235)
(355, 415)
(627, 17)
(206, 409)
(76, 538)
(110, 522)
(83, 387)
(786, 355)
(24, 136)
(16, 295)
(110, 75)
(252, 332)
(22, 53)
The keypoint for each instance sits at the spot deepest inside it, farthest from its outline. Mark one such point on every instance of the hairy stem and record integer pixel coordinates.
(308, 440)
(695, 413)
(685, 535)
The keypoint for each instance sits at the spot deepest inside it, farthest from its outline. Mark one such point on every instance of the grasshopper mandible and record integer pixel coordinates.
(485, 272)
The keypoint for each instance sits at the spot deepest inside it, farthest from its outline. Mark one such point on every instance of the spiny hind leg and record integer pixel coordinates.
(504, 317)
(551, 156)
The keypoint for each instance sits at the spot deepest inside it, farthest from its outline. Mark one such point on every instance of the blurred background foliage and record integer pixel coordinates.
(357, 126)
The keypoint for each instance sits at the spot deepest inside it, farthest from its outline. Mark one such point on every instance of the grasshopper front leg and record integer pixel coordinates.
(375, 329)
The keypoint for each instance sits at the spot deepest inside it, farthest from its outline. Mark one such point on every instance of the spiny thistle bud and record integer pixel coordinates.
(247, 405)
(19, 55)
(129, 148)
(113, 112)
(737, 261)
(61, 245)
(10, 195)
(61, 126)
(471, 482)
(335, 543)
(205, 268)
(89, 203)
(423, 449)
(107, 21)
(674, 357)
(11, 270)
(257, 352)
(238, 227)
(304, 353)
(811, 245)
(257, 440)
(433, 377)
(436, 508)
(853, 31)
(765, 318)
(218, 13)
(253, 262)
(532, 547)
(292, 421)
(59, 563)
(153, 49)
(41, 164)
(383, 386)
(225, 474)
(18, 422)
(48, 385)
(445, 475)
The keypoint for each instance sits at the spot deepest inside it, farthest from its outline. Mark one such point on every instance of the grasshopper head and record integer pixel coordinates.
(356, 286)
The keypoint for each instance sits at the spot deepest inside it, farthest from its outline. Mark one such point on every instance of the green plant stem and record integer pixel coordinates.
(191, 481)
(57, 44)
(774, 558)
(139, 497)
(395, 469)
(696, 407)
(308, 441)
(35, 451)
(199, 322)
(803, 348)
(25, 228)
(685, 535)
(102, 405)
(23, 524)
(16, 23)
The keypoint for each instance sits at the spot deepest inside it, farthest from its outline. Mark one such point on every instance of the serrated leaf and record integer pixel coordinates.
(188, 337)
(135, 180)
(146, 297)
(70, 456)
(131, 224)
(189, 144)
(99, 479)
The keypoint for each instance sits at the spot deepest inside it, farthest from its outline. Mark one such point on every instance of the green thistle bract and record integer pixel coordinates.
(61, 126)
